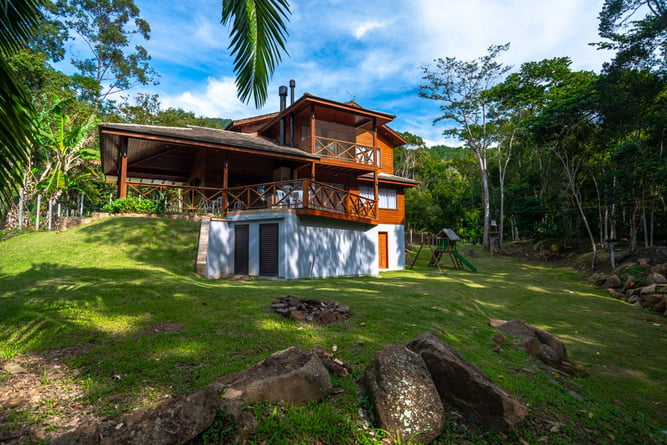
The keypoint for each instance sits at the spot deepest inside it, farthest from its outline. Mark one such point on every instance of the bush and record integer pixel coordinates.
(130, 205)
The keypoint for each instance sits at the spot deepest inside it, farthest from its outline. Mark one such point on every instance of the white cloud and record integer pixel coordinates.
(360, 29)
(217, 99)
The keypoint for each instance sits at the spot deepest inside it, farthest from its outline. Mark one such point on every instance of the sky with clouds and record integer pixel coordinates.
(371, 51)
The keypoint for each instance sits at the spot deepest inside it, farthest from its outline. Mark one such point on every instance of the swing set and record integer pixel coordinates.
(439, 245)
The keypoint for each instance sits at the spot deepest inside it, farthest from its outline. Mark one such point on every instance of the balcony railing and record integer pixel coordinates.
(297, 194)
(341, 150)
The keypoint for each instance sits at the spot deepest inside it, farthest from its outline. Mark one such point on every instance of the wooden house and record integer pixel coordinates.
(308, 191)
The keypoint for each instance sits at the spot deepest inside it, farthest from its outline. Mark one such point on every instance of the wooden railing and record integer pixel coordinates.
(341, 150)
(297, 194)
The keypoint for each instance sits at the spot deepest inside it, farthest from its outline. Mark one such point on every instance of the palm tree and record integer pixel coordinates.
(257, 42)
(18, 19)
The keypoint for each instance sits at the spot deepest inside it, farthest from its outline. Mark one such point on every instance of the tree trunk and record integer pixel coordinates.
(484, 173)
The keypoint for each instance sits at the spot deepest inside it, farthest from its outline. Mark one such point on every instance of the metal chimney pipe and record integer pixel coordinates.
(292, 84)
(282, 91)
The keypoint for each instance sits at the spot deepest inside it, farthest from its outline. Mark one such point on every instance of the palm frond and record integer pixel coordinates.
(18, 19)
(258, 32)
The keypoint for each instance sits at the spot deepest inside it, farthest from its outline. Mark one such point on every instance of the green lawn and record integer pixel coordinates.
(109, 288)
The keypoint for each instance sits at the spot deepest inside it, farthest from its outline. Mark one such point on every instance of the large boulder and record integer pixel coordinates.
(289, 375)
(406, 401)
(526, 331)
(463, 385)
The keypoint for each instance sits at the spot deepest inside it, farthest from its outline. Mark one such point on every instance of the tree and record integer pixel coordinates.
(637, 42)
(405, 155)
(104, 27)
(460, 87)
(19, 19)
(257, 34)
(66, 147)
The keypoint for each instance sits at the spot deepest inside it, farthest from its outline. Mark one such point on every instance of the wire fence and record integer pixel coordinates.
(40, 213)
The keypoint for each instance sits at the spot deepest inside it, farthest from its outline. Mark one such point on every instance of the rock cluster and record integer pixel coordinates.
(300, 309)
(641, 284)
(409, 386)
(538, 343)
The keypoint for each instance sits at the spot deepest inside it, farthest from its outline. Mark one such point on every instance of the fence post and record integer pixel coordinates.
(21, 208)
(81, 205)
(50, 214)
(39, 206)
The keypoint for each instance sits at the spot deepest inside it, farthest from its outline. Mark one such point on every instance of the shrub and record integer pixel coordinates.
(130, 205)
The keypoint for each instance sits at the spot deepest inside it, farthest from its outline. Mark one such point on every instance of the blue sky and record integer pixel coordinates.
(371, 51)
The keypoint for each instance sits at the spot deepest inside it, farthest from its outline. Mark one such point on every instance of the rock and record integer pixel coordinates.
(522, 329)
(645, 263)
(499, 338)
(616, 294)
(655, 278)
(14, 368)
(648, 289)
(297, 315)
(460, 383)
(406, 401)
(613, 281)
(245, 420)
(630, 283)
(547, 355)
(83, 435)
(531, 345)
(173, 421)
(494, 323)
(660, 268)
(655, 302)
(289, 375)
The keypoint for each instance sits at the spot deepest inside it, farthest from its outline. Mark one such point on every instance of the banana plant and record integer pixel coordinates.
(65, 149)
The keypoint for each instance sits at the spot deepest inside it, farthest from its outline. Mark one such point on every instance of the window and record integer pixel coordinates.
(386, 197)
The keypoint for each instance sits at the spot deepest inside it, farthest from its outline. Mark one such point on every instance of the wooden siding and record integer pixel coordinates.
(390, 216)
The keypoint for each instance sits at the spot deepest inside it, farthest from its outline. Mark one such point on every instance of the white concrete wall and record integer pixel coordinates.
(395, 245)
(309, 247)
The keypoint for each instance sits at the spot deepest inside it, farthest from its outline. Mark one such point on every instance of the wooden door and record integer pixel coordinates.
(383, 249)
(268, 250)
(241, 249)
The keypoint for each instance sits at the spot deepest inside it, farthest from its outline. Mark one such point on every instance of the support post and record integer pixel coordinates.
(122, 174)
(21, 197)
(312, 128)
(375, 143)
(49, 214)
(39, 204)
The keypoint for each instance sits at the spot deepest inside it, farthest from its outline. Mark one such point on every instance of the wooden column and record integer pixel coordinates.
(312, 128)
(376, 191)
(225, 182)
(375, 142)
(122, 174)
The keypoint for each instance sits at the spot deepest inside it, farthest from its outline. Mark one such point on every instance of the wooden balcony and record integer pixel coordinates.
(340, 150)
(303, 195)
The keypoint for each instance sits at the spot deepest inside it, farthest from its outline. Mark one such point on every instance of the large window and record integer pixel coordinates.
(386, 197)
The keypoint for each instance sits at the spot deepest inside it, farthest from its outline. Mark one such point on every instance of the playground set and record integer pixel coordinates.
(439, 245)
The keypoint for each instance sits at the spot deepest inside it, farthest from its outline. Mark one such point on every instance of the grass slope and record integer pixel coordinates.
(110, 288)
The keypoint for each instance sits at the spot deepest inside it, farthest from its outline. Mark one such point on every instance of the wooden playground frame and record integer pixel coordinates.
(439, 245)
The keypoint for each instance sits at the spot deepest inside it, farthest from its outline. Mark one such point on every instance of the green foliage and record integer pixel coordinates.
(19, 21)
(257, 34)
(639, 41)
(105, 26)
(130, 205)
